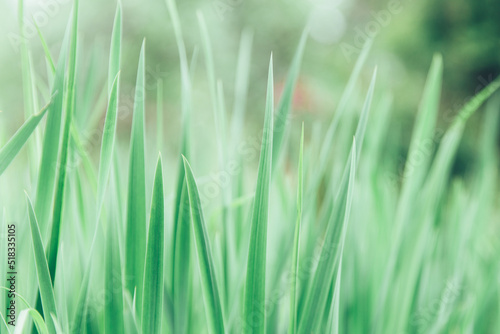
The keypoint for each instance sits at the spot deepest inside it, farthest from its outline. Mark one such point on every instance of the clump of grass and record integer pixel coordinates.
(332, 247)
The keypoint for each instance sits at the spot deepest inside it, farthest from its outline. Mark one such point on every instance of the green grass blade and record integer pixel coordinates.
(414, 175)
(228, 235)
(61, 170)
(113, 70)
(78, 324)
(326, 146)
(136, 202)
(219, 110)
(333, 320)
(433, 190)
(331, 251)
(209, 62)
(296, 242)
(5, 323)
(10, 150)
(363, 120)
(152, 306)
(451, 139)
(332, 191)
(113, 319)
(423, 133)
(185, 73)
(42, 269)
(78, 149)
(490, 132)
(41, 327)
(159, 115)
(185, 99)
(471, 106)
(130, 319)
(46, 50)
(285, 103)
(255, 288)
(53, 244)
(216, 92)
(40, 324)
(108, 142)
(334, 314)
(113, 310)
(241, 86)
(57, 325)
(359, 134)
(181, 270)
(213, 307)
(181, 234)
(51, 141)
(115, 49)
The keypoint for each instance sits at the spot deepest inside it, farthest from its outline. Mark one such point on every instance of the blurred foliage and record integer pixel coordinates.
(466, 33)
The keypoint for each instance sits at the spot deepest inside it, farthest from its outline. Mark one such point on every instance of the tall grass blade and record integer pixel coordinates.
(241, 86)
(326, 146)
(331, 251)
(365, 112)
(209, 61)
(451, 139)
(107, 145)
(296, 242)
(359, 135)
(218, 106)
(113, 70)
(4, 323)
(181, 233)
(285, 103)
(159, 115)
(181, 270)
(113, 310)
(53, 244)
(213, 307)
(57, 325)
(237, 125)
(40, 324)
(10, 150)
(135, 243)
(334, 314)
(433, 189)
(51, 141)
(422, 141)
(79, 322)
(46, 50)
(255, 288)
(152, 310)
(115, 49)
(42, 269)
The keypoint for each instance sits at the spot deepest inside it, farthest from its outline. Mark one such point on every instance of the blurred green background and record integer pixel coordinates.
(407, 34)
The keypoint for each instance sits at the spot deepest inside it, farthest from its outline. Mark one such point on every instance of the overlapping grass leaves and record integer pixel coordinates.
(213, 307)
(255, 286)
